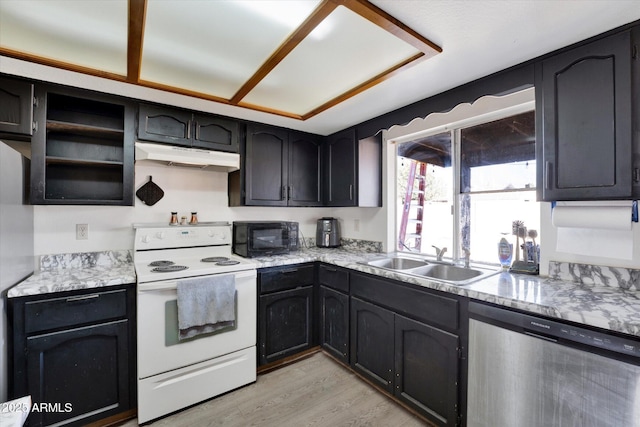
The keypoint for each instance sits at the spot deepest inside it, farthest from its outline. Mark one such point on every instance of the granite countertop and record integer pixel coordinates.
(604, 297)
(582, 294)
(68, 272)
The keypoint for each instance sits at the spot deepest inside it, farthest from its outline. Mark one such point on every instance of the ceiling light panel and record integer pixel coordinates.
(345, 51)
(214, 47)
(89, 34)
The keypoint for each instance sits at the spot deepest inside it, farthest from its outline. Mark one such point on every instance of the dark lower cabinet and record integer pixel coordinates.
(413, 359)
(66, 368)
(427, 369)
(286, 328)
(334, 323)
(285, 312)
(74, 353)
(372, 349)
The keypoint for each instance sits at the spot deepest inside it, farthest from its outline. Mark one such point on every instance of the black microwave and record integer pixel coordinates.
(259, 238)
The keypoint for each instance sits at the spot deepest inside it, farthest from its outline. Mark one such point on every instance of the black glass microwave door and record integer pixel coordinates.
(268, 239)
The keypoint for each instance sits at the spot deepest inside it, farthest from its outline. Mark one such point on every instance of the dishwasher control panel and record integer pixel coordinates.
(552, 330)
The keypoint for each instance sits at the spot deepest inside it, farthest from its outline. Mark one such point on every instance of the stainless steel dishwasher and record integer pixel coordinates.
(529, 371)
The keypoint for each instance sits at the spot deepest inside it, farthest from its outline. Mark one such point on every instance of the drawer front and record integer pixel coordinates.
(426, 305)
(74, 310)
(334, 277)
(290, 277)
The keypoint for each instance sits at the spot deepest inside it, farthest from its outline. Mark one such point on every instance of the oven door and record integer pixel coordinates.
(159, 349)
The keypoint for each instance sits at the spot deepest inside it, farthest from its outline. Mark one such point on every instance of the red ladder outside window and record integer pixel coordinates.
(404, 238)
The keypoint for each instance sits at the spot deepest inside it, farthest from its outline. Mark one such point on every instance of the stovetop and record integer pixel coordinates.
(169, 252)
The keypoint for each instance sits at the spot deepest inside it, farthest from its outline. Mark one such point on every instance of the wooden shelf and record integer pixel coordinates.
(59, 126)
(81, 162)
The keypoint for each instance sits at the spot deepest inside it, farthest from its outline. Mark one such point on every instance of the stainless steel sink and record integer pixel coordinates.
(439, 271)
(398, 263)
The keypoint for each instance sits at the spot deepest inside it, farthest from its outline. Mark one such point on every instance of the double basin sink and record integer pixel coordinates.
(436, 270)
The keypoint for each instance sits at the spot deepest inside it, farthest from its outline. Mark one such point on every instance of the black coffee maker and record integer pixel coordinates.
(328, 233)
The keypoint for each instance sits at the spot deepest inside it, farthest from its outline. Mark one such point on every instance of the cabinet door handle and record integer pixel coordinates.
(189, 129)
(283, 193)
(332, 270)
(289, 192)
(293, 270)
(197, 130)
(350, 191)
(83, 297)
(548, 170)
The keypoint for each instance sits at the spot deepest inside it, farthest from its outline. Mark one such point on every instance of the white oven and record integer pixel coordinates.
(174, 373)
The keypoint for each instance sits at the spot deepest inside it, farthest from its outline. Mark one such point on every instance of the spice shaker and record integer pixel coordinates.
(174, 218)
(194, 218)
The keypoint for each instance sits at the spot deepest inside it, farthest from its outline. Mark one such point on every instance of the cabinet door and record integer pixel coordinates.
(16, 107)
(266, 166)
(215, 133)
(334, 323)
(165, 125)
(585, 98)
(427, 371)
(83, 371)
(286, 324)
(340, 171)
(372, 343)
(304, 185)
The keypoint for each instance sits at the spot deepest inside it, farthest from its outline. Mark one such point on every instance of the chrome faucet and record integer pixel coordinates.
(467, 255)
(439, 252)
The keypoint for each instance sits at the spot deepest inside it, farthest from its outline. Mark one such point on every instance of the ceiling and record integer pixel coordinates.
(310, 73)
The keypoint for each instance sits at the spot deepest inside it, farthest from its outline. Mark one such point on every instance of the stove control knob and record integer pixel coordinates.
(145, 239)
(160, 235)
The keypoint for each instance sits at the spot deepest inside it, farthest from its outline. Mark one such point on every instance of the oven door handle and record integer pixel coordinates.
(172, 284)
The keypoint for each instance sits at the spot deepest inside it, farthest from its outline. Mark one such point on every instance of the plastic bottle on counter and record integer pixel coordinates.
(505, 253)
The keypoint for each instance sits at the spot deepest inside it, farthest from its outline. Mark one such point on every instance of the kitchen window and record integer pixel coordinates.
(463, 185)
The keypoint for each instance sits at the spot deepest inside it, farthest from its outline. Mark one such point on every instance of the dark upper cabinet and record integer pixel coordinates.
(266, 166)
(353, 170)
(280, 168)
(16, 107)
(305, 160)
(83, 149)
(186, 128)
(74, 348)
(285, 312)
(584, 108)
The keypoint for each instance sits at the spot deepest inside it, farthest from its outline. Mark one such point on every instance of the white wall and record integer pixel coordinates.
(16, 242)
(185, 190)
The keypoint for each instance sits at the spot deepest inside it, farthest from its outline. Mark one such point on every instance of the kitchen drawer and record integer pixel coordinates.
(74, 310)
(427, 306)
(334, 277)
(282, 278)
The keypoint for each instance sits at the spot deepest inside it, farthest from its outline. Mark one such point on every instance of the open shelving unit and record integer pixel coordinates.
(87, 155)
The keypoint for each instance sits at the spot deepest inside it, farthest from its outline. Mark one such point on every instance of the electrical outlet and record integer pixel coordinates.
(356, 225)
(82, 231)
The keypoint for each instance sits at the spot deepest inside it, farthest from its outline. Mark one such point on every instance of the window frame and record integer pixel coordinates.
(472, 117)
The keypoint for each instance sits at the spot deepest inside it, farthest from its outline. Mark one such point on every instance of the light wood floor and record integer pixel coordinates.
(316, 391)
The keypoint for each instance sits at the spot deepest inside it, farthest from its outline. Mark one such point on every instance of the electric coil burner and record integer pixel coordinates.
(173, 373)
(169, 268)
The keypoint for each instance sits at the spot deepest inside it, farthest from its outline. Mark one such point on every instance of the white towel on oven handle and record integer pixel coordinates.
(205, 304)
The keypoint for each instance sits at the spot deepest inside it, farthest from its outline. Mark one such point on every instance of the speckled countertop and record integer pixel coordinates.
(608, 298)
(68, 272)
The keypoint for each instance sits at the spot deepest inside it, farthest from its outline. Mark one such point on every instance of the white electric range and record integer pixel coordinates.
(174, 373)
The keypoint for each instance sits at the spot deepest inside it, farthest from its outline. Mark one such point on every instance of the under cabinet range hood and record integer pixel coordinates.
(188, 157)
